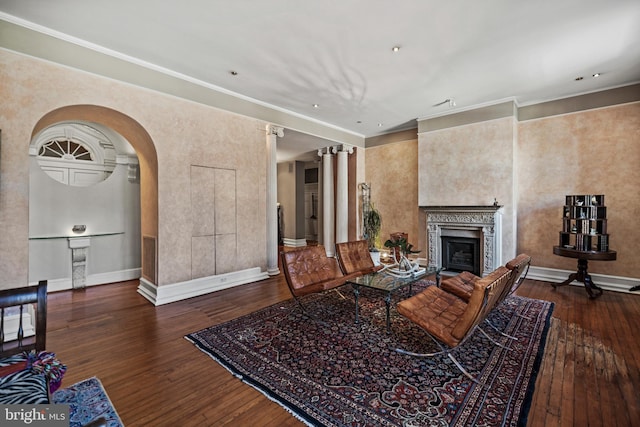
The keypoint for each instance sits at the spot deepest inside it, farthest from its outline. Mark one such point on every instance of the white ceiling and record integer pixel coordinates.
(292, 54)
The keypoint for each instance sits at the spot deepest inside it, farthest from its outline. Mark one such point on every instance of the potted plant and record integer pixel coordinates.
(372, 223)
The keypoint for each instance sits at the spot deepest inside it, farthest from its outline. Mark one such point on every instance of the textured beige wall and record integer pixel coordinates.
(591, 152)
(471, 165)
(392, 171)
(184, 134)
(529, 167)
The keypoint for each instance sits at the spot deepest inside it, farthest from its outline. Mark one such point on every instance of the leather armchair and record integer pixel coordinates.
(354, 258)
(309, 270)
(461, 284)
(449, 320)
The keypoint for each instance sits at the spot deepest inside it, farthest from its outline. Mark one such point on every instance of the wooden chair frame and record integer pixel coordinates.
(22, 297)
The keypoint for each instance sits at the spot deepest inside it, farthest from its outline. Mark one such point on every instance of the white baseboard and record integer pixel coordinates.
(606, 282)
(294, 243)
(66, 283)
(165, 294)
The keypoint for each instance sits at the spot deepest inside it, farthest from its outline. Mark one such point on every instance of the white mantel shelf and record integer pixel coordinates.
(462, 208)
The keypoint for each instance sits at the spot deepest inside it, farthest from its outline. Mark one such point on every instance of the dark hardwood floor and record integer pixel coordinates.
(589, 376)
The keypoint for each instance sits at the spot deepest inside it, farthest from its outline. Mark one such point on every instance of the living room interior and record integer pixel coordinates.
(215, 150)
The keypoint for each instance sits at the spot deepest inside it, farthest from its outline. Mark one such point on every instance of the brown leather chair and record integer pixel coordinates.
(354, 258)
(309, 270)
(461, 284)
(450, 320)
(520, 266)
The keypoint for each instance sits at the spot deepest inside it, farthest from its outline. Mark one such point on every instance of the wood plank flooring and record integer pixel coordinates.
(589, 376)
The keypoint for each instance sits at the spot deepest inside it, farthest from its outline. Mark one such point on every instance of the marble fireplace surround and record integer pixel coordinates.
(482, 222)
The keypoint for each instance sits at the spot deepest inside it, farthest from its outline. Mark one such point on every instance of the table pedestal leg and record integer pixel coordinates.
(356, 293)
(582, 275)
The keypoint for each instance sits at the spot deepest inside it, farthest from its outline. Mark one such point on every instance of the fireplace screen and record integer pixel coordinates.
(461, 254)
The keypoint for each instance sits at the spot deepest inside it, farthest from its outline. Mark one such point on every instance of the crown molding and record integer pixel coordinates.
(26, 38)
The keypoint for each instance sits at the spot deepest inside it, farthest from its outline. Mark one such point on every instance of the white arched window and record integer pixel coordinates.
(75, 154)
(65, 149)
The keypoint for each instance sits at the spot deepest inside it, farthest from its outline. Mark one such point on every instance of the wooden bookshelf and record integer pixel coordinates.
(584, 237)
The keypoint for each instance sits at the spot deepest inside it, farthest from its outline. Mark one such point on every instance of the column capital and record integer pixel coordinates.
(346, 148)
(335, 149)
(325, 150)
(275, 130)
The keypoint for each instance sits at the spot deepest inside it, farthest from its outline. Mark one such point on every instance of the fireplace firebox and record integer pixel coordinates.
(461, 254)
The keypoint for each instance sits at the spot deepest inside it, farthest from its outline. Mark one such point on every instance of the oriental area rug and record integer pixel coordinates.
(88, 401)
(334, 372)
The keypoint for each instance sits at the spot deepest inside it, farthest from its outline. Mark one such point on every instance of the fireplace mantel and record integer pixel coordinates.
(484, 221)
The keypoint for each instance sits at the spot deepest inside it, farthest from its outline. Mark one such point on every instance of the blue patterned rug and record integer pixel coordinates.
(343, 374)
(87, 402)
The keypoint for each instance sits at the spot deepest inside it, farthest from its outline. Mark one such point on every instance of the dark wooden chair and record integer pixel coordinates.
(24, 385)
(20, 299)
(18, 385)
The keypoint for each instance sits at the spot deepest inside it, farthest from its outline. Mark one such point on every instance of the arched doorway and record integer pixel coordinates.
(140, 140)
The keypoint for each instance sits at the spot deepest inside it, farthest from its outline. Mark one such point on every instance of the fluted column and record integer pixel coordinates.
(272, 200)
(342, 194)
(328, 210)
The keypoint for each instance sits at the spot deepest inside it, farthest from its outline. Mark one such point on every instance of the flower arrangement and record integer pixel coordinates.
(402, 248)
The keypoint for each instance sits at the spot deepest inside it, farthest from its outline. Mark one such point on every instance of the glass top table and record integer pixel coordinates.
(388, 284)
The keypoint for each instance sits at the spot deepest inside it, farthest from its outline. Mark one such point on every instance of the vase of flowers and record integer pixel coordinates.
(402, 249)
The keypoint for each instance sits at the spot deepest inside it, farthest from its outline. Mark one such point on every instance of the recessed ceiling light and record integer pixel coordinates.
(579, 78)
(379, 125)
(395, 48)
(233, 73)
(359, 121)
(316, 105)
(596, 75)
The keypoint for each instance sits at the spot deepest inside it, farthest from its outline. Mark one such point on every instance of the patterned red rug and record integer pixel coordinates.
(343, 374)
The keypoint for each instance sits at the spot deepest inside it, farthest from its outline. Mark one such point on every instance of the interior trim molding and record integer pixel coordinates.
(606, 282)
(165, 294)
(573, 104)
(480, 114)
(388, 138)
(589, 101)
(66, 283)
(294, 243)
(39, 42)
